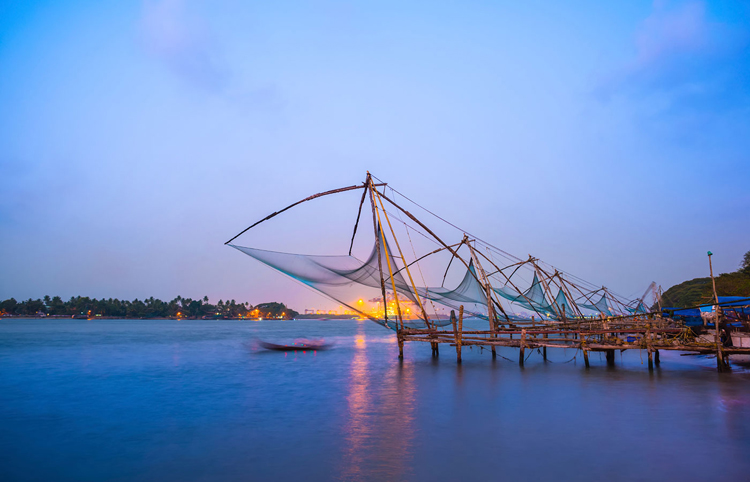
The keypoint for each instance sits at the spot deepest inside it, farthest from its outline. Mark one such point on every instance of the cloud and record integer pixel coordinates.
(683, 61)
(183, 43)
(667, 33)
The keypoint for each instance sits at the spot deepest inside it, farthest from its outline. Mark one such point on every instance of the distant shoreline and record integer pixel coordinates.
(93, 318)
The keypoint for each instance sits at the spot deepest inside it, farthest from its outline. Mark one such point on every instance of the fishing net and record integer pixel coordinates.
(358, 284)
(353, 282)
(601, 306)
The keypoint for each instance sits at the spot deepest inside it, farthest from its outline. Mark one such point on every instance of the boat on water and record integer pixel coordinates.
(304, 345)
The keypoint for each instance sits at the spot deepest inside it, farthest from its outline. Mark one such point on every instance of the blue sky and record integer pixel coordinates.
(609, 139)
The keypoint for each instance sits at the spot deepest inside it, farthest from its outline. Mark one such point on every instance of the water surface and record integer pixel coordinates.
(153, 400)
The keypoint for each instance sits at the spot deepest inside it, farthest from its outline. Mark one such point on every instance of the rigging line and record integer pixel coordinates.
(451, 261)
(507, 254)
(421, 258)
(448, 222)
(416, 230)
(413, 218)
(414, 251)
(403, 260)
(514, 286)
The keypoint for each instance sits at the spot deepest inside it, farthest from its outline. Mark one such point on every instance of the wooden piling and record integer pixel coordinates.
(655, 335)
(544, 349)
(457, 329)
(460, 331)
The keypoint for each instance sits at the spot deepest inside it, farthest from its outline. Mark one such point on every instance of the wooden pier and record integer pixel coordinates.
(652, 333)
(488, 283)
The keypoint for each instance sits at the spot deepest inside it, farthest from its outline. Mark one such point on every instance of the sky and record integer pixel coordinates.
(610, 139)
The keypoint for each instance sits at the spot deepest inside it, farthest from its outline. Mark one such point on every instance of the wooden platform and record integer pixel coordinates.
(653, 333)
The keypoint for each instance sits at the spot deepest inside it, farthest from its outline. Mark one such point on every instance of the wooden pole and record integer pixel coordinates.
(457, 327)
(356, 223)
(310, 198)
(460, 330)
(717, 338)
(406, 265)
(523, 348)
(390, 267)
(376, 226)
(544, 349)
(610, 357)
(586, 357)
(488, 289)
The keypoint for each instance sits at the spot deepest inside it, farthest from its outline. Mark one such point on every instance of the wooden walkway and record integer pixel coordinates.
(650, 333)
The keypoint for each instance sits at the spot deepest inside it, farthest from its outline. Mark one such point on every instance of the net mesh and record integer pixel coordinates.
(381, 287)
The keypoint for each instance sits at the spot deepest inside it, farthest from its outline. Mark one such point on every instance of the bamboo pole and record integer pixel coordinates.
(376, 226)
(488, 289)
(390, 272)
(546, 290)
(431, 233)
(309, 198)
(356, 223)
(403, 260)
(508, 281)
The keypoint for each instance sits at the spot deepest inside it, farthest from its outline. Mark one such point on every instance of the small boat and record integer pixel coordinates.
(314, 345)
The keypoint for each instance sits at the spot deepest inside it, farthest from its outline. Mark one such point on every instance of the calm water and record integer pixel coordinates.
(196, 401)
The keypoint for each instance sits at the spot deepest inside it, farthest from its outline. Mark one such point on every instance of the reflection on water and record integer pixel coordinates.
(379, 431)
(359, 427)
(193, 401)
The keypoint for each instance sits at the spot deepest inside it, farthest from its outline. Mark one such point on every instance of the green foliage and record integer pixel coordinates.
(150, 308)
(699, 291)
(275, 310)
(745, 265)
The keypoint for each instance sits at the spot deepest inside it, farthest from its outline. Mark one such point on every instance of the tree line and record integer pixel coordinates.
(149, 308)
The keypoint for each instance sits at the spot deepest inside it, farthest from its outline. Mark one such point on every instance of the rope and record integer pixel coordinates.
(419, 268)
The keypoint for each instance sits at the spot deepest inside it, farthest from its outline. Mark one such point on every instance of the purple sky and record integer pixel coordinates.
(136, 137)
